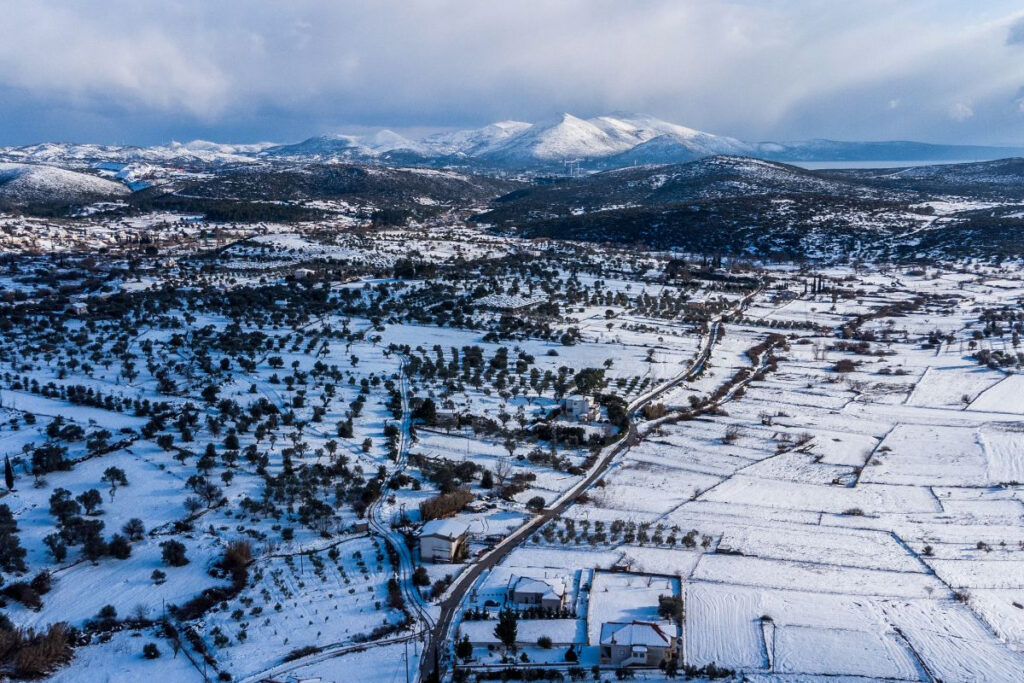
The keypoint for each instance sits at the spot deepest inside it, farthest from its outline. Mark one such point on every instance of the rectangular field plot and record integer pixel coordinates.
(1003, 610)
(772, 575)
(927, 455)
(953, 642)
(791, 632)
(945, 386)
(841, 547)
(1004, 454)
(869, 499)
(842, 652)
(1005, 397)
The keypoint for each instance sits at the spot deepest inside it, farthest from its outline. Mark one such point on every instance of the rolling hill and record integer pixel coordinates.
(23, 184)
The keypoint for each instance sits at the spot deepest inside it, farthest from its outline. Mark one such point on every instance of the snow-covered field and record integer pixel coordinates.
(861, 524)
(829, 483)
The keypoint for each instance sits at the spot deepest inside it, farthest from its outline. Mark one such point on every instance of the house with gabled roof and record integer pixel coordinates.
(635, 643)
(524, 591)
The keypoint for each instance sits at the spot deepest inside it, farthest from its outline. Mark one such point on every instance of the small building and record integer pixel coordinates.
(580, 407)
(302, 273)
(527, 592)
(78, 308)
(443, 540)
(635, 643)
(446, 418)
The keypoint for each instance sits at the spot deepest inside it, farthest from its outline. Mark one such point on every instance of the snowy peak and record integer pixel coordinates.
(639, 128)
(565, 138)
(620, 137)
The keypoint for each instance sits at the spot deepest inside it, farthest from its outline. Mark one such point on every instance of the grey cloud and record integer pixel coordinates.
(269, 70)
(1015, 34)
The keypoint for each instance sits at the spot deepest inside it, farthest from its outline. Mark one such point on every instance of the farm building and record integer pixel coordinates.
(442, 539)
(580, 407)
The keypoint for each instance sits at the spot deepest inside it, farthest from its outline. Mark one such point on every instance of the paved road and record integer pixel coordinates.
(382, 526)
(433, 663)
(404, 571)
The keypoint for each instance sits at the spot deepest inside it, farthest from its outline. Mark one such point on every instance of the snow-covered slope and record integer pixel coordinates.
(516, 143)
(476, 141)
(564, 138)
(28, 183)
(631, 138)
(174, 153)
(348, 147)
(708, 178)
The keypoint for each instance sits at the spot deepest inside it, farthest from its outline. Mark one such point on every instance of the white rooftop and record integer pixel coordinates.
(444, 528)
(633, 633)
(525, 584)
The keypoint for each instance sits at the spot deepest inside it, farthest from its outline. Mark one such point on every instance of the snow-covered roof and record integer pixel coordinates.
(524, 584)
(444, 528)
(633, 633)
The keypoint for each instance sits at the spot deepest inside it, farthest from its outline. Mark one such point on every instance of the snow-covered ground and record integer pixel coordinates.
(846, 504)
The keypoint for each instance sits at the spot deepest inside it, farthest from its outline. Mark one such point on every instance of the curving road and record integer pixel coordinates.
(433, 664)
(404, 571)
(382, 527)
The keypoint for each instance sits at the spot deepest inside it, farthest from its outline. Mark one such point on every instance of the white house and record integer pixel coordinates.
(441, 540)
(302, 273)
(527, 592)
(635, 643)
(580, 407)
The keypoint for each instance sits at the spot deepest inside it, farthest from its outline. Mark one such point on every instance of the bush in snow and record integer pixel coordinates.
(173, 553)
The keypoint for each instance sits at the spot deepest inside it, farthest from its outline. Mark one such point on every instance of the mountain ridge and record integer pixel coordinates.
(597, 143)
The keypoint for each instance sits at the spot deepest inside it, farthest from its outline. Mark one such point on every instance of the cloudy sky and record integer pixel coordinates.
(148, 72)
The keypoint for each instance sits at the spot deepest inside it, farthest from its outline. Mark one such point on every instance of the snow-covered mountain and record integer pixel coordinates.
(196, 152)
(348, 147)
(477, 141)
(598, 143)
(518, 144)
(32, 183)
(610, 141)
(564, 138)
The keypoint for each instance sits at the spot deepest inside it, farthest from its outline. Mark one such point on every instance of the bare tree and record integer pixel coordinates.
(502, 472)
